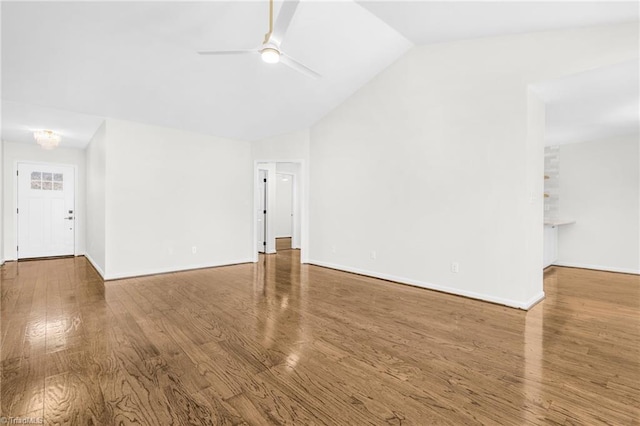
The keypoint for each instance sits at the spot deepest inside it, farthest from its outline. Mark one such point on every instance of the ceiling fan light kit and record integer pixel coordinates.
(270, 55)
(270, 50)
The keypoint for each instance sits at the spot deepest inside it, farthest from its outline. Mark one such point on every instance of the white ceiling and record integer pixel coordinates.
(425, 22)
(138, 61)
(68, 65)
(19, 121)
(596, 104)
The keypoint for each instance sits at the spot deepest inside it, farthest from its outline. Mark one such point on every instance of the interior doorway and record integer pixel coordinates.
(284, 211)
(280, 207)
(46, 210)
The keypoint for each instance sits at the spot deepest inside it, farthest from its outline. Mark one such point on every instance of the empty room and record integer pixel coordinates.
(311, 212)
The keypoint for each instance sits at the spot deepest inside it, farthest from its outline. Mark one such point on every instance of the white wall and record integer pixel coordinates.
(169, 190)
(1, 199)
(95, 155)
(599, 189)
(1, 170)
(430, 163)
(289, 146)
(534, 229)
(16, 152)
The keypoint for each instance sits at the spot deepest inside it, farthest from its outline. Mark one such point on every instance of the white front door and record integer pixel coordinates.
(46, 212)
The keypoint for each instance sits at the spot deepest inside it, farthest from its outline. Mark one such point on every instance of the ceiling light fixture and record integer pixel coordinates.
(270, 50)
(47, 139)
(270, 55)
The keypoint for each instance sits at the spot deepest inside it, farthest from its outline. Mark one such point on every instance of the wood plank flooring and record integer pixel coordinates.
(283, 243)
(280, 343)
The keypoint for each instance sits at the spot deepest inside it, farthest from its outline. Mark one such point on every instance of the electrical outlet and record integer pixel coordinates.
(333, 249)
(374, 255)
(455, 267)
(194, 249)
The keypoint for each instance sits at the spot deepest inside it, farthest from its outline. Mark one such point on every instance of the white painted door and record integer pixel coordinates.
(262, 212)
(46, 212)
(284, 205)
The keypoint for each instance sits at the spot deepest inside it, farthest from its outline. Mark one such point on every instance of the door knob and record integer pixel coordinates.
(69, 218)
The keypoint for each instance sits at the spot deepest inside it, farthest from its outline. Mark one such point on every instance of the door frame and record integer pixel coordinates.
(303, 182)
(16, 196)
(263, 195)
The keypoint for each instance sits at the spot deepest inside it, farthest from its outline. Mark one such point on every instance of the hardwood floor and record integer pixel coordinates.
(283, 243)
(280, 343)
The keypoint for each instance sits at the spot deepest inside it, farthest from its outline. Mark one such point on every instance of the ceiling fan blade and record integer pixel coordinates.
(226, 52)
(293, 64)
(285, 16)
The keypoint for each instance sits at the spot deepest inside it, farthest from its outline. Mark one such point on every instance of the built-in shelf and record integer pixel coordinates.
(552, 204)
(551, 181)
(558, 222)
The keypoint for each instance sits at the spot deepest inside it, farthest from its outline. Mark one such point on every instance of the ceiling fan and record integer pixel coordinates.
(270, 50)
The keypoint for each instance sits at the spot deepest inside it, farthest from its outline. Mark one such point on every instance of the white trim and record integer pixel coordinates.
(598, 267)
(95, 265)
(402, 280)
(533, 301)
(145, 272)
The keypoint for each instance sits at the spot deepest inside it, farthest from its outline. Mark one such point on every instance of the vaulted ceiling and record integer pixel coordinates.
(68, 65)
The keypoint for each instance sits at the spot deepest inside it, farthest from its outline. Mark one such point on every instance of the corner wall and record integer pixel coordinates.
(96, 157)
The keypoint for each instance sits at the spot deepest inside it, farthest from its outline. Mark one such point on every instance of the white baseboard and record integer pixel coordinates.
(533, 301)
(598, 267)
(445, 289)
(144, 272)
(95, 265)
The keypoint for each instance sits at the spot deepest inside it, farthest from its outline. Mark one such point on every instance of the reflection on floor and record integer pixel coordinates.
(277, 342)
